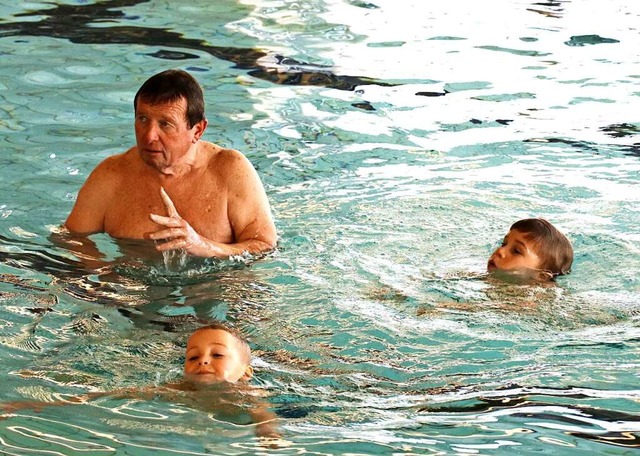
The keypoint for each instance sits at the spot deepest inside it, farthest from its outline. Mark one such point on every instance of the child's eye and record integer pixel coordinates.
(517, 251)
(193, 358)
(217, 355)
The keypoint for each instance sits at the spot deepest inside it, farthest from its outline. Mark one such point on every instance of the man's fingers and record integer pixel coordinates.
(166, 221)
(171, 209)
(172, 245)
(169, 233)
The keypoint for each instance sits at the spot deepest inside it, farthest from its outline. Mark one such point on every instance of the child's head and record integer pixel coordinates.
(216, 353)
(533, 244)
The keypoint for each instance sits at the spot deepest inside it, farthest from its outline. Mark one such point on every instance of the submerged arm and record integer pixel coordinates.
(84, 249)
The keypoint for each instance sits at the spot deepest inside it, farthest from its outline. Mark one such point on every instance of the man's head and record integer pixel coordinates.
(533, 244)
(216, 353)
(169, 87)
(169, 121)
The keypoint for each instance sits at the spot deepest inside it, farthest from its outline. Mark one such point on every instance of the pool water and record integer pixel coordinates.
(397, 142)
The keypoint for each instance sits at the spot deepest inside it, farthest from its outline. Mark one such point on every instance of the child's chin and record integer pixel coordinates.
(518, 275)
(204, 379)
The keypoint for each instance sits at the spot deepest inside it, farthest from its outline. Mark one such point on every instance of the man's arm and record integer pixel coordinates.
(249, 215)
(87, 217)
(88, 213)
(248, 207)
(82, 247)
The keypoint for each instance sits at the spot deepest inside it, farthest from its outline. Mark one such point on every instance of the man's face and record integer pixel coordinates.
(516, 252)
(214, 356)
(163, 136)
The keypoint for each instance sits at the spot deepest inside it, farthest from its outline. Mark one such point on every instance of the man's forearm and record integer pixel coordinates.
(212, 249)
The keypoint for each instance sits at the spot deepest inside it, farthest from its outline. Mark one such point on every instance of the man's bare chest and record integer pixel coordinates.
(205, 209)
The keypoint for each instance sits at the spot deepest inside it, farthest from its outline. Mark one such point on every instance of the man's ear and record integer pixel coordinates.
(248, 373)
(199, 129)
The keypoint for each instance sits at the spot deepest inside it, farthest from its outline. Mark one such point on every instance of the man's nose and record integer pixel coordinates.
(151, 133)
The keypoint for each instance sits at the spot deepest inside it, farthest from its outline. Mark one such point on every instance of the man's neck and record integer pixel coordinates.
(188, 163)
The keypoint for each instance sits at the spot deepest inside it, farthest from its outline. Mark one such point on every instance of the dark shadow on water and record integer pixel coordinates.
(615, 131)
(584, 40)
(152, 294)
(539, 406)
(75, 23)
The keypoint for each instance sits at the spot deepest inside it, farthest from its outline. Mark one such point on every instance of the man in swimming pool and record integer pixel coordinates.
(533, 247)
(173, 187)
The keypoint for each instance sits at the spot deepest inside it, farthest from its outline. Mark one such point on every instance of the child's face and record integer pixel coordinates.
(516, 252)
(214, 356)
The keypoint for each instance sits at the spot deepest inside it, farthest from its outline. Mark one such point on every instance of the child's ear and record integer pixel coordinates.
(248, 373)
(545, 276)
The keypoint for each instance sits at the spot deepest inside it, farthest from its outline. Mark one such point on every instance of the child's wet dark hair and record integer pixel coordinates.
(553, 247)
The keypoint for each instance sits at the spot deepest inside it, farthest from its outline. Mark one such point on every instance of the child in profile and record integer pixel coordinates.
(533, 248)
(217, 368)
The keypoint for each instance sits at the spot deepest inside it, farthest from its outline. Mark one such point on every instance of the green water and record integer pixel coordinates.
(397, 142)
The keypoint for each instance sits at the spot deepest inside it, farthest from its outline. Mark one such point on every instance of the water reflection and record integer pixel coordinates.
(548, 9)
(77, 23)
(374, 325)
(169, 291)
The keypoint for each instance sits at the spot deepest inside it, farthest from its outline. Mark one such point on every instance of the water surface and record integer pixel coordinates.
(397, 143)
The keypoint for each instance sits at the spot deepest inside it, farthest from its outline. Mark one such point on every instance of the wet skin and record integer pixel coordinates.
(214, 356)
(516, 253)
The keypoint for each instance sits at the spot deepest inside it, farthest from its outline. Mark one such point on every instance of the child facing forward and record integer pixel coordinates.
(534, 248)
(217, 368)
(216, 353)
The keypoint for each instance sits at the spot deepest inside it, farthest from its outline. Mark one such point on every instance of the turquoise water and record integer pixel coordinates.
(397, 142)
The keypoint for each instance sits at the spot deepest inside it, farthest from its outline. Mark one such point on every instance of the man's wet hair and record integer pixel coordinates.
(553, 247)
(170, 86)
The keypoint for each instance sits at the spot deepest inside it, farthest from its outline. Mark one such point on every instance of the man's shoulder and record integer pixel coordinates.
(117, 162)
(221, 158)
(217, 152)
